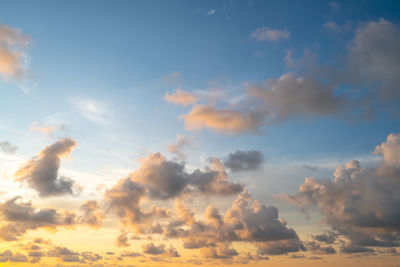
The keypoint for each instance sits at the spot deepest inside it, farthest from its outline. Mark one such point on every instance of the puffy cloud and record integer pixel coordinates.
(21, 217)
(360, 203)
(291, 96)
(152, 249)
(267, 34)
(223, 120)
(327, 238)
(41, 172)
(13, 44)
(7, 147)
(220, 252)
(390, 150)
(244, 160)
(180, 97)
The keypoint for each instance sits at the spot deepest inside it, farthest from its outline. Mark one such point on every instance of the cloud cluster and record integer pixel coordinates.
(41, 172)
(13, 44)
(19, 217)
(360, 203)
(366, 78)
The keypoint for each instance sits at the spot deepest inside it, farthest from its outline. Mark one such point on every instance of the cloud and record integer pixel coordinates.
(267, 34)
(211, 12)
(9, 256)
(7, 148)
(93, 110)
(13, 44)
(181, 142)
(180, 97)
(47, 130)
(122, 239)
(41, 172)
(244, 160)
(374, 58)
(92, 213)
(316, 248)
(223, 120)
(21, 217)
(152, 249)
(173, 77)
(291, 96)
(360, 203)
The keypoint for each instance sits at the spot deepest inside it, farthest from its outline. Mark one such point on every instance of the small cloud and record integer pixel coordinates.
(93, 110)
(180, 97)
(211, 12)
(7, 148)
(173, 77)
(267, 34)
(47, 130)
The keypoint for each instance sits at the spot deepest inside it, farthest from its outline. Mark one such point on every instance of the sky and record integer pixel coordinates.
(185, 133)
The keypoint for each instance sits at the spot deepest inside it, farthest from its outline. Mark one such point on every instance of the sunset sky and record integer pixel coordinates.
(199, 133)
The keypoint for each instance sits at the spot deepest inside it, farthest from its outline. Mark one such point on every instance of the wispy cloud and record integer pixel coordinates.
(268, 34)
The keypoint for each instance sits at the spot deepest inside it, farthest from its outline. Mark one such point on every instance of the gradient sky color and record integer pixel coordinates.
(134, 133)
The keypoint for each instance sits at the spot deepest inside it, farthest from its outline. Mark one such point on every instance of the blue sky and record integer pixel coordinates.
(99, 72)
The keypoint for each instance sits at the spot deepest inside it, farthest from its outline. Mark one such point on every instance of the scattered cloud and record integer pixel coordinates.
(47, 130)
(181, 142)
(360, 203)
(268, 34)
(211, 12)
(93, 110)
(181, 97)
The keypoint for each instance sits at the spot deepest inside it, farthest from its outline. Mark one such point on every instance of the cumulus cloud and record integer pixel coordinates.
(41, 172)
(13, 44)
(225, 120)
(360, 203)
(7, 148)
(180, 97)
(244, 160)
(122, 239)
(19, 217)
(268, 34)
(152, 249)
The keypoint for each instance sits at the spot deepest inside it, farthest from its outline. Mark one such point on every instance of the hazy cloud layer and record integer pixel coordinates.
(41, 172)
